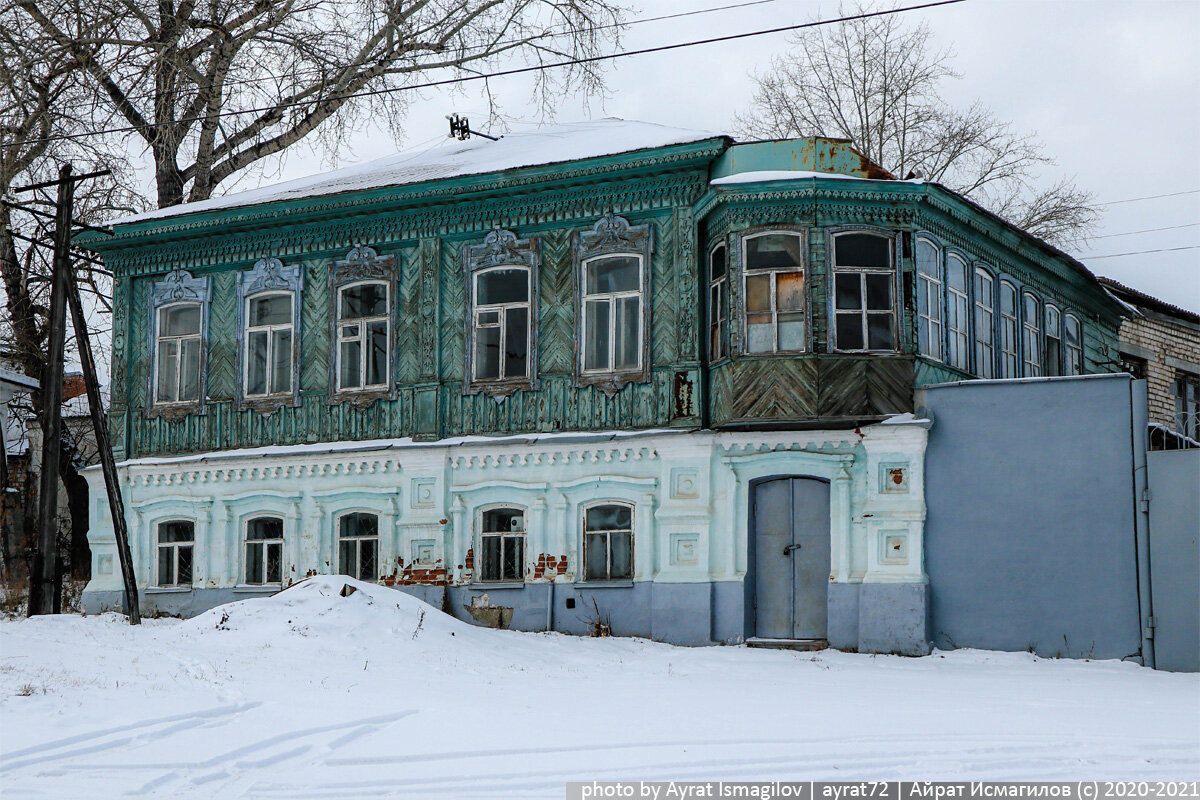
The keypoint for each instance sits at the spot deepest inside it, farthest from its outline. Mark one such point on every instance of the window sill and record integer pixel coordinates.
(168, 589)
(497, 585)
(603, 585)
(252, 588)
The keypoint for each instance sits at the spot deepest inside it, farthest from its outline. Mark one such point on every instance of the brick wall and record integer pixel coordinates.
(1164, 344)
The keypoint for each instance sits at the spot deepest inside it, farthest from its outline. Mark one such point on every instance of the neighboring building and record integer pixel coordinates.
(604, 372)
(14, 465)
(1160, 344)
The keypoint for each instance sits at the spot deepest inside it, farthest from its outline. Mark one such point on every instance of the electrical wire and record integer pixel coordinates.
(1148, 230)
(1141, 252)
(1149, 197)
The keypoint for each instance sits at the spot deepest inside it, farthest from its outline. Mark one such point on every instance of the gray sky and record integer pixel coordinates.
(1110, 88)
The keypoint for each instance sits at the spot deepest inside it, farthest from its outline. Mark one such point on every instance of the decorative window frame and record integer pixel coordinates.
(738, 288)
(500, 248)
(1038, 328)
(245, 542)
(178, 286)
(268, 276)
(613, 235)
(363, 264)
(158, 546)
(968, 294)
(1003, 280)
(1071, 365)
(1049, 309)
(831, 270)
(477, 543)
(709, 318)
(633, 540)
(336, 555)
(918, 279)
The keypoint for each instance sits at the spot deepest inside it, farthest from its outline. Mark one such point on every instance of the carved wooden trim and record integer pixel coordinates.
(363, 263)
(268, 275)
(177, 286)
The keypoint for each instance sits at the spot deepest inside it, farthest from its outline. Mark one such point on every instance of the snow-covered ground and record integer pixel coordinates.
(310, 694)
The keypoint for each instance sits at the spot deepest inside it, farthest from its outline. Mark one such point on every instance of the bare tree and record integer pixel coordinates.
(214, 87)
(877, 81)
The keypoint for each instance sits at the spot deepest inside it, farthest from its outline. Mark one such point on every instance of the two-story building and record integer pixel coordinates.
(606, 372)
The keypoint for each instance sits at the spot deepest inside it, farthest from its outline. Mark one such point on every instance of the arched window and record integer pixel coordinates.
(177, 354)
(264, 551)
(1031, 336)
(358, 546)
(864, 303)
(1054, 345)
(501, 324)
(502, 545)
(608, 542)
(268, 356)
(985, 323)
(1074, 345)
(718, 302)
(774, 292)
(176, 544)
(612, 314)
(1010, 359)
(363, 335)
(929, 299)
(958, 313)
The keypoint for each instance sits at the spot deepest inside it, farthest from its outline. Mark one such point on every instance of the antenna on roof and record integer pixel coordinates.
(461, 128)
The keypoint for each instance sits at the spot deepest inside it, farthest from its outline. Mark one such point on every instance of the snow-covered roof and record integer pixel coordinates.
(524, 147)
(772, 175)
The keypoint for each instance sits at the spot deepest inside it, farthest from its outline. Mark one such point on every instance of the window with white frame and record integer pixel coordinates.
(1074, 344)
(608, 542)
(1054, 342)
(1031, 335)
(958, 311)
(864, 302)
(177, 353)
(502, 545)
(264, 551)
(929, 299)
(176, 546)
(718, 302)
(269, 332)
(1010, 351)
(774, 291)
(612, 314)
(363, 334)
(985, 323)
(501, 324)
(358, 546)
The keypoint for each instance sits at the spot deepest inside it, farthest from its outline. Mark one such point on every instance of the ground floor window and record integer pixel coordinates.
(176, 544)
(502, 545)
(358, 546)
(608, 543)
(264, 551)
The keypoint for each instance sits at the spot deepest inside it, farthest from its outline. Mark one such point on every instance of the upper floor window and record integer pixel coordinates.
(612, 314)
(1054, 343)
(864, 301)
(1031, 335)
(177, 353)
(1186, 391)
(774, 292)
(929, 299)
(269, 332)
(985, 323)
(1074, 345)
(1009, 331)
(608, 542)
(501, 326)
(502, 545)
(176, 544)
(363, 334)
(358, 546)
(958, 313)
(718, 302)
(264, 551)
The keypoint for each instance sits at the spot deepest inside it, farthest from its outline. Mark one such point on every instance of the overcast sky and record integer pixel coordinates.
(1110, 87)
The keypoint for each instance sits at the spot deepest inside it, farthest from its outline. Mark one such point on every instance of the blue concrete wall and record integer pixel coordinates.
(1030, 533)
(1174, 482)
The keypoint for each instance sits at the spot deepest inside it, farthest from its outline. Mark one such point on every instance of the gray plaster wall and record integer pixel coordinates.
(1030, 538)
(880, 618)
(1174, 482)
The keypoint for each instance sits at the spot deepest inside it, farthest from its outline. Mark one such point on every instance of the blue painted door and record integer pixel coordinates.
(791, 558)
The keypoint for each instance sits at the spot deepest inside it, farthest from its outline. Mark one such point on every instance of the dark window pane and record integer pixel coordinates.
(185, 565)
(595, 336)
(176, 532)
(254, 562)
(612, 274)
(275, 309)
(508, 285)
(166, 564)
(168, 372)
(513, 568)
(1053, 355)
(274, 563)
(621, 545)
(717, 263)
(879, 332)
(849, 332)
(516, 342)
(863, 250)
(596, 556)
(487, 353)
(364, 300)
(758, 293)
(349, 374)
(849, 290)
(377, 355)
(608, 518)
(256, 363)
(264, 528)
(773, 250)
(490, 559)
(368, 569)
(360, 525)
(346, 557)
(503, 520)
(879, 292)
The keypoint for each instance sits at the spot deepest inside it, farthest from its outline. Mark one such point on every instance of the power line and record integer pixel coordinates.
(1142, 252)
(1149, 197)
(1148, 230)
(499, 73)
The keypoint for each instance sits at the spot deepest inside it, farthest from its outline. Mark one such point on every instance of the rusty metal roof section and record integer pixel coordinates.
(1141, 299)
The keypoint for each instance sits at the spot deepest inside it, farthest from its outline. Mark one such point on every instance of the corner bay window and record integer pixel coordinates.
(501, 324)
(264, 551)
(608, 543)
(1054, 348)
(985, 321)
(864, 311)
(363, 333)
(1074, 345)
(269, 345)
(929, 299)
(502, 545)
(176, 543)
(718, 303)
(177, 354)
(1009, 348)
(1031, 335)
(958, 313)
(774, 293)
(358, 546)
(612, 314)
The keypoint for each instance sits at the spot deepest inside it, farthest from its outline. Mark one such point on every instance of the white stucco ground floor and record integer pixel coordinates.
(691, 537)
